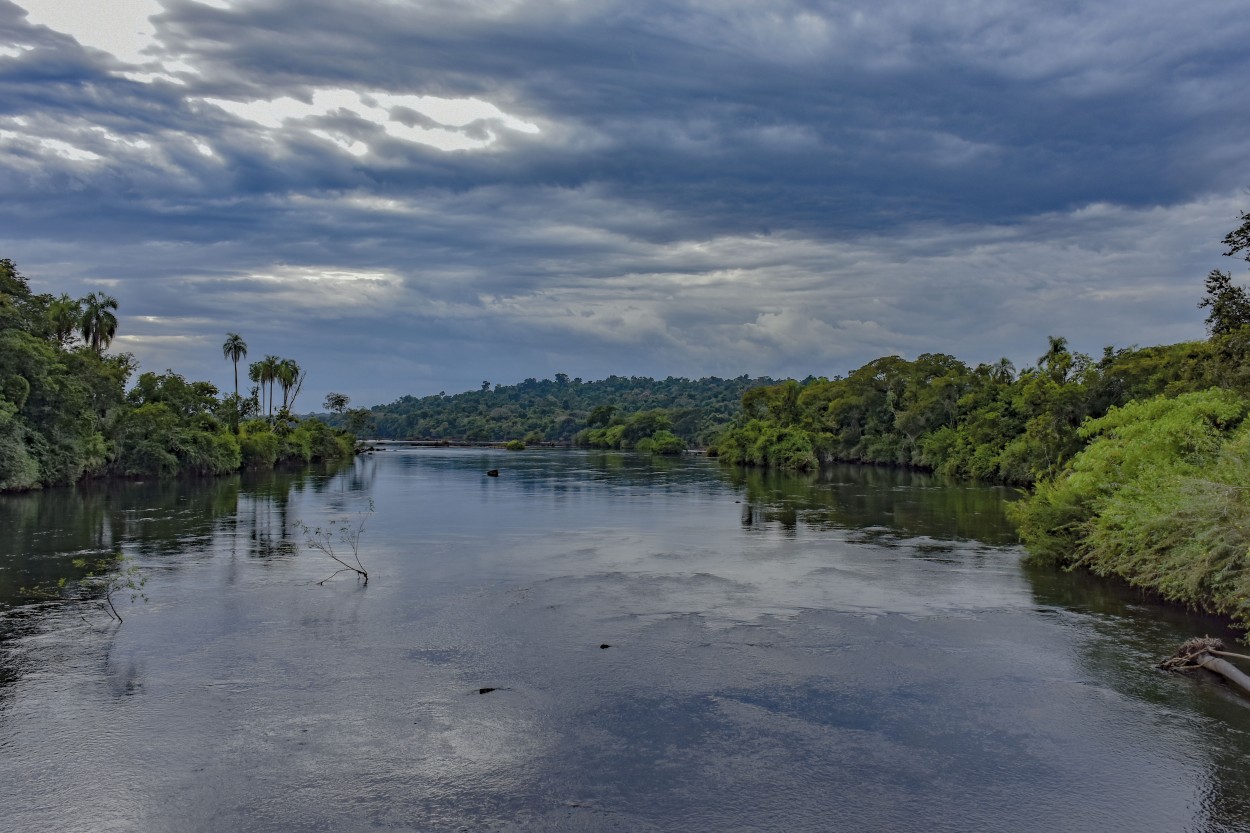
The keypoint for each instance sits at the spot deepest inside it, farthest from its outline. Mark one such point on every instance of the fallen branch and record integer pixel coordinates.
(1229, 654)
(1205, 653)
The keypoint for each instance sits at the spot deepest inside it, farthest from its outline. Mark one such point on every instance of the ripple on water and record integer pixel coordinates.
(854, 651)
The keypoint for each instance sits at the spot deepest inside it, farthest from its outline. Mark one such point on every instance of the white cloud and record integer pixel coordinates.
(138, 144)
(379, 109)
(119, 27)
(63, 149)
(150, 77)
(14, 50)
(352, 146)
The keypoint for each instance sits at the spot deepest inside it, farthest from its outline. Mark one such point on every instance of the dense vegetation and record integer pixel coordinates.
(606, 413)
(1158, 495)
(65, 413)
(1157, 498)
(987, 422)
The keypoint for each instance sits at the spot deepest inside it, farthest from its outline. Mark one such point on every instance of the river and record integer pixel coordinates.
(669, 646)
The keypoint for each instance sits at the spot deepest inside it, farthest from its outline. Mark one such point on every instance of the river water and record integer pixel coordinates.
(860, 650)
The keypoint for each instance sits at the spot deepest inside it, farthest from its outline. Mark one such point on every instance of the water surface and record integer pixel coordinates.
(859, 650)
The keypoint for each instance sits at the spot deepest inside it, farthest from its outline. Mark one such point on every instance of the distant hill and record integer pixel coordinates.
(554, 410)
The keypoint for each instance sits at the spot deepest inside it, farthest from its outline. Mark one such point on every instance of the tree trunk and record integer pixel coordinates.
(1225, 669)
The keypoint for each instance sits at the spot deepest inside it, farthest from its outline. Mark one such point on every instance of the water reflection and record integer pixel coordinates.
(857, 650)
(897, 502)
(1129, 631)
(42, 533)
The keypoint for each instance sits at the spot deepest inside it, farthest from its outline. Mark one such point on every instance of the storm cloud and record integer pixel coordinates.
(410, 197)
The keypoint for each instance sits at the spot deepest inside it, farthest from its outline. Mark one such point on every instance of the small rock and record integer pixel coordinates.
(485, 690)
(493, 473)
(604, 646)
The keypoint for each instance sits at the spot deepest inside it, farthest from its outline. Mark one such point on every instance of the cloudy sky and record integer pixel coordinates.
(410, 196)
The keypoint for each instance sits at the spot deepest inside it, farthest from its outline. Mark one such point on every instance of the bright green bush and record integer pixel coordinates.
(763, 443)
(1157, 498)
(1182, 530)
(258, 444)
(664, 442)
(1159, 437)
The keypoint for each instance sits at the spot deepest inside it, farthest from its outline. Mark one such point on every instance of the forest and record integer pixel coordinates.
(66, 413)
(987, 422)
(617, 412)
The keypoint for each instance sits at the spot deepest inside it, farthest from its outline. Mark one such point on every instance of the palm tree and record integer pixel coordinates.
(98, 324)
(64, 315)
(1058, 360)
(269, 375)
(255, 372)
(1003, 371)
(235, 348)
(288, 375)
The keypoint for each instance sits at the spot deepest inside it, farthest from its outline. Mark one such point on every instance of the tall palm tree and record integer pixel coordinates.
(235, 348)
(98, 324)
(269, 375)
(256, 372)
(288, 375)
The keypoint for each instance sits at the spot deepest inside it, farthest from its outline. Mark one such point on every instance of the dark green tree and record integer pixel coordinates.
(1228, 304)
(1238, 240)
(98, 324)
(64, 315)
(337, 402)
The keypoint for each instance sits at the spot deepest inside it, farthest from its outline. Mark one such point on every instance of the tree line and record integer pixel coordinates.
(564, 410)
(66, 413)
(989, 421)
(1138, 461)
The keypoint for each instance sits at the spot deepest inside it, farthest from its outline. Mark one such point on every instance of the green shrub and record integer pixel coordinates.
(515, 445)
(295, 447)
(1157, 498)
(207, 448)
(18, 470)
(762, 443)
(258, 444)
(664, 442)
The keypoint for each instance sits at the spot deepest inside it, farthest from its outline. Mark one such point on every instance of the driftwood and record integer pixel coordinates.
(1205, 653)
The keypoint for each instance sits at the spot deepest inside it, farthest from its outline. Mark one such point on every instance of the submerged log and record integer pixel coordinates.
(1206, 653)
